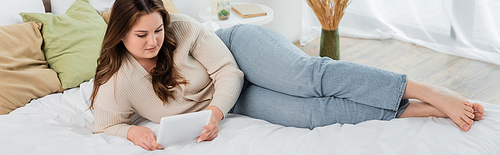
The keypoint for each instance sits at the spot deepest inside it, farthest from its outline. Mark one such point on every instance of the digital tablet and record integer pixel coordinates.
(182, 128)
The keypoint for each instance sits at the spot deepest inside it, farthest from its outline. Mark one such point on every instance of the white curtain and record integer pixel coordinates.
(466, 28)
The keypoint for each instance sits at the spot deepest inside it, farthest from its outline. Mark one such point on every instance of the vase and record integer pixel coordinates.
(329, 45)
(223, 10)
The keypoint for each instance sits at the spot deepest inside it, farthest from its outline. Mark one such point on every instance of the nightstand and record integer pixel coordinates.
(234, 18)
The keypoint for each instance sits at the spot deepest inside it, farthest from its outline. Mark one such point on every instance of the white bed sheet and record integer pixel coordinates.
(60, 124)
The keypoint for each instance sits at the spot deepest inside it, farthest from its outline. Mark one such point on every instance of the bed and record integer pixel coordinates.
(61, 124)
(58, 121)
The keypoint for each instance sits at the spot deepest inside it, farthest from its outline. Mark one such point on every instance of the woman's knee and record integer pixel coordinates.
(236, 31)
(245, 28)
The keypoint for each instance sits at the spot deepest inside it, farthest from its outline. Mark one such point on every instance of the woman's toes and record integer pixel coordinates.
(478, 116)
(478, 111)
(470, 115)
(467, 122)
(478, 107)
(467, 103)
(467, 119)
(469, 109)
(465, 127)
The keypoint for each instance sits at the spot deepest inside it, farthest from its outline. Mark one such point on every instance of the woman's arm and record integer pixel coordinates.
(221, 66)
(111, 122)
(213, 54)
(112, 116)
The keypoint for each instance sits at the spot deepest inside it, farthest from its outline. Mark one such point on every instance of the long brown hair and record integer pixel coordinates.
(124, 15)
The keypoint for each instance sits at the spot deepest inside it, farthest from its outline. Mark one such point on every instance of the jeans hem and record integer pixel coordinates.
(402, 103)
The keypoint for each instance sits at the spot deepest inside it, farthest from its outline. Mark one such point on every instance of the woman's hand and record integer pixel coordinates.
(143, 137)
(212, 129)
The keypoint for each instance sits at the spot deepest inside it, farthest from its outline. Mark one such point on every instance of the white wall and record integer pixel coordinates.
(287, 14)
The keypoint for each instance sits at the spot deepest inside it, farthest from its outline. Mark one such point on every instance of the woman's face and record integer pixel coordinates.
(145, 38)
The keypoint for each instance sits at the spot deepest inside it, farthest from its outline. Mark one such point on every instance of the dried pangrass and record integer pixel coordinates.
(329, 12)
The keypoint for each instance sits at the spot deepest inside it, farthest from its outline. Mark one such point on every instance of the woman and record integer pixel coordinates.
(154, 64)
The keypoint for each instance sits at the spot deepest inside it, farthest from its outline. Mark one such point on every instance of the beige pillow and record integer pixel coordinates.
(169, 6)
(24, 73)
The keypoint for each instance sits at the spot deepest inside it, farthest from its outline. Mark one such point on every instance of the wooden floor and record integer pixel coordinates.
(472, 79)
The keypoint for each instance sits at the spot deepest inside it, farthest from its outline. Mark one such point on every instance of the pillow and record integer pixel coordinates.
(23, 70)
(169, 6)
(10, 9)
(59, 7)
(72, 42)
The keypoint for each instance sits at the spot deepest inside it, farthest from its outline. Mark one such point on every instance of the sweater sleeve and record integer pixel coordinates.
(213, 54)
(111, 117)
(111, 122)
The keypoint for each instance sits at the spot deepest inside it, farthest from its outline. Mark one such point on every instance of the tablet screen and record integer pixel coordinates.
(182, 128)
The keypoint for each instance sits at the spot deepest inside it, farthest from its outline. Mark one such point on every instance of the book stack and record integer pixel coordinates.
(248, 10)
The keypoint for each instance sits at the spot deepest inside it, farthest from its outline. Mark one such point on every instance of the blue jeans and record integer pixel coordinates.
(285, 86)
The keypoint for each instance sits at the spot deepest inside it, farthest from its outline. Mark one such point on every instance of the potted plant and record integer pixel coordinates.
(329, 13)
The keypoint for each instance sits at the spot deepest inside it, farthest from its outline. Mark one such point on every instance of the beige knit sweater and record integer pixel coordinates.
(201, 57)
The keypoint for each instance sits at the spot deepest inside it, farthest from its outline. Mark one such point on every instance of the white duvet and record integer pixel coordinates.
(60, 124)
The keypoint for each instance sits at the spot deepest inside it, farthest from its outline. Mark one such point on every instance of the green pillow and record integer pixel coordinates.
(72, 42)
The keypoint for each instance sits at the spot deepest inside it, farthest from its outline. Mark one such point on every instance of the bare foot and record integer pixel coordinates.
(478, 111)
(417, 108)
(459, 109)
